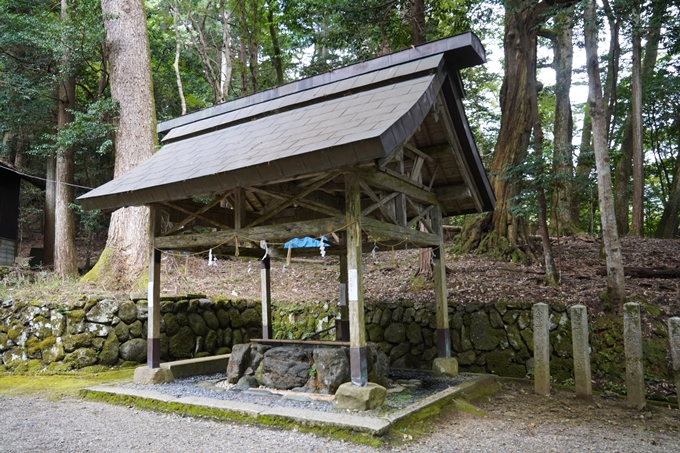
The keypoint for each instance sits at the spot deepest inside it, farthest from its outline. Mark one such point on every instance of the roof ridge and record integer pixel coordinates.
(464, 42)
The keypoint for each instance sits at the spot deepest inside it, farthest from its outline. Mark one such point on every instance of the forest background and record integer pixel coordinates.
(58, 119)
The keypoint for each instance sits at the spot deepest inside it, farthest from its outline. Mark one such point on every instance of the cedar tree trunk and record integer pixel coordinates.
(125, 256)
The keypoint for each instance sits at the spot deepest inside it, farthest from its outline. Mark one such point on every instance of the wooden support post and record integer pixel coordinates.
(355, 287)
(153, 355)
(239, 208)
(342, 324)
(265, 277)
(440, 290)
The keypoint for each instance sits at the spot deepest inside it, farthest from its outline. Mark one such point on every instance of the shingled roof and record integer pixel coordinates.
(346, 117)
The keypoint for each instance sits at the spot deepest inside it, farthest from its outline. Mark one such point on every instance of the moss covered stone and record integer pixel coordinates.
(210, 342)
(501, 307)
(73, 342)
(482, 335)
(142, 310)
(414, 333)
(167, 306)
(182, 344)
(503, 363)
(197, 324)
(122, 331)
(524, 320)
(136, 329)
(466, 358)
(528, 337)
(134, 350)
(510, 316)
(109, 352)
(171, 324)
(223, 318)
(386, 318)
(395, 333)
(561, 343)
(251, 318)
(561, 369)
(81, 357)
(399, 351)
(496, 320)
(127, 312)
(75, 322)
(375, 333)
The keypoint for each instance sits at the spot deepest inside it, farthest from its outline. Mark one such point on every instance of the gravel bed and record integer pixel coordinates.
(208, 386)
(35, 424)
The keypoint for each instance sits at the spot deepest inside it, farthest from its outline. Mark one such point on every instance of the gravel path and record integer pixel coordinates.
(35, 424)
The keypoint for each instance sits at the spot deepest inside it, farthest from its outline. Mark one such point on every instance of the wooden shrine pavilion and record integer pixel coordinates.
(375, 153)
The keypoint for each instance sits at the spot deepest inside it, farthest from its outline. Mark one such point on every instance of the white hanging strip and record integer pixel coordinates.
(375, 248)
(263, 245)
(322, 246)
(250, 264)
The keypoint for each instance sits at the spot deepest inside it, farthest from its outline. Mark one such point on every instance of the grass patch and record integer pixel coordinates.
(57, 385)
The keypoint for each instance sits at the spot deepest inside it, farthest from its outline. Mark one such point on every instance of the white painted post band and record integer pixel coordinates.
(674, 332)
(579, 335)
(632, 339)
(541, 324)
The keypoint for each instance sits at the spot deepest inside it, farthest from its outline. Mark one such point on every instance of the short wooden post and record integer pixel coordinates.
(355, 287)
(579, 334)
(265, 277)
(632, 340)
(153, 355)
(541, 321)
(674, 333)
(440, 290)
(342, 324)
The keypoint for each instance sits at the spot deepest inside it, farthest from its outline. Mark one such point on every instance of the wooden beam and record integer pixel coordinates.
(379, 203)
(153, 345)
(290, 200)
(414, 221)
(266, 232)
(265, 279)
(355, 286)
(205, 219)
(205, 208)
(440, 290)
(396, 184)
(418, 152)
(386, 230)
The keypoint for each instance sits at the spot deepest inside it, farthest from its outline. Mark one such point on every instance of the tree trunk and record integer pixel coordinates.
(50, 199)
(226, 66)
(562, 160)
(611, 80)
(624, 167)
(417, 22)
(253, 48)
(278, 63)
(616, 286)
(125, 256)
(668, 224)
(65, 258)
(637, 224)
(584, 166)
(178, 47)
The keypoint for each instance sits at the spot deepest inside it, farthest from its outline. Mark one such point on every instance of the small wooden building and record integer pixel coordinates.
(372, 154)
(10, 186)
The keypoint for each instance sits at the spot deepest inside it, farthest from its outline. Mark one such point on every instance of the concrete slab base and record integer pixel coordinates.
(146, 375)
(445, 367)
(225, 409)
(364, 398)
(197, 367)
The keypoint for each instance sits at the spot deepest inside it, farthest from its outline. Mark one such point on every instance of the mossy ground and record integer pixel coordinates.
(61, 384)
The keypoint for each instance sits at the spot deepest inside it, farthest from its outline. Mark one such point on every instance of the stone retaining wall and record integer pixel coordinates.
(485, 338)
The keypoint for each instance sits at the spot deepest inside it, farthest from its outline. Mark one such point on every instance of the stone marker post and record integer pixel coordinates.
(579, 334)
(541, 320)
(674, 331)
(632, 339)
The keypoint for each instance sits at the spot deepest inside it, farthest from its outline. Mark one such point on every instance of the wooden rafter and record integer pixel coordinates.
(414, 221)
(283, 204)
(379, 204)
(452, 138)
(399, 183)
(195, 215)
(387, 230)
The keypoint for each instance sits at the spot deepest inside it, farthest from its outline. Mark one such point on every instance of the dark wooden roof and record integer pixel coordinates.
(348, 117)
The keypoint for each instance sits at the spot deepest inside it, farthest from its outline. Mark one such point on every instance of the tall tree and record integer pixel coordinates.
(616, 286)
(126, 252)
(65, 257)
(637, 224)
(522, 23)
(624, 167)
(563, 50)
